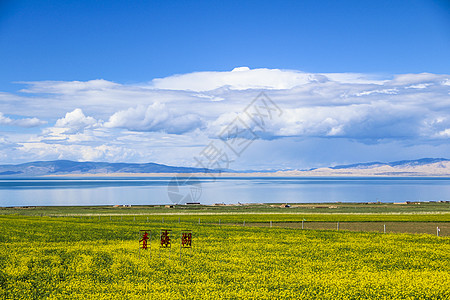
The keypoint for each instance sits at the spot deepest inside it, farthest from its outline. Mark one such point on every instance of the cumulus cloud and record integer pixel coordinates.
(41, 150)
(75, 121)
(155, 117)
(184, 111)
(357, 121)
(240, 78)
(74, 127)
(24, 122)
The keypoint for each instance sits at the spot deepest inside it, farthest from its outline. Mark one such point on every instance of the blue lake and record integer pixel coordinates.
(163, 190)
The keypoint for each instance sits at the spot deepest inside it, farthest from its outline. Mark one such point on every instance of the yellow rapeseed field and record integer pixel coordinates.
(69, 258)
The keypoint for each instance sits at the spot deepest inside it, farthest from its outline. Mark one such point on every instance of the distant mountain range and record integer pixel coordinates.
(67, 167)
(397, 164)
(419, 167)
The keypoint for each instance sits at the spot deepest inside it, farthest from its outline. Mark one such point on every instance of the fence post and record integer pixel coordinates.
(178, 220)
(384, 228)
(437, 231)
(134, 218)
(219, 222)
(270, 224)
(244, 223)
(198, 221)
(338, 225)
(147, 219)
(302, 223)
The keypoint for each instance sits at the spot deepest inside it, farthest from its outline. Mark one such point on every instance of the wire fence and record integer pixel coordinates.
(434, 228)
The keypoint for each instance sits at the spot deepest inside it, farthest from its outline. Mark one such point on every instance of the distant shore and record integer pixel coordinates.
(294, 174)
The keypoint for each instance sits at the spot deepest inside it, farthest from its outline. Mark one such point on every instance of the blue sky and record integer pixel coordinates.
(153, 81)
(136, 41)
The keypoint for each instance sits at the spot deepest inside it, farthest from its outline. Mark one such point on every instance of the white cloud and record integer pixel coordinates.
(68, 87)
(411, 79)
(167, 118)
(155, 117)
(418, 86)
(41, 150)
(25, 122)
(75, 121)
(385, 91)
(445, 133)
(74, 127)
(238, 79)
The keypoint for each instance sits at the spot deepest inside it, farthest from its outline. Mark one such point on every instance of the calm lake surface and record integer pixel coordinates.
(163, 190)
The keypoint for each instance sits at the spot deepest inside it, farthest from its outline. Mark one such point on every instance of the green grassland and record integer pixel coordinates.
(96, 255)
(313, 208)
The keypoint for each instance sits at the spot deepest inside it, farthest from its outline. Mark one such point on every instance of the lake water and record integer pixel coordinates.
(161, 190)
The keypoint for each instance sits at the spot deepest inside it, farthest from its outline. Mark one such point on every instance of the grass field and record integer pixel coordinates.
(419, 218)
(93, 257)
(312, 208)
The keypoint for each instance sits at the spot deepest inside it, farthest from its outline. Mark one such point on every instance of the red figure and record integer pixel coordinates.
(144, 240)
(165, 239)
(186, 240)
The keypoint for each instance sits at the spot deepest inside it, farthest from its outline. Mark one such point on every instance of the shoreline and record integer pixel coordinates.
(290, 174)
